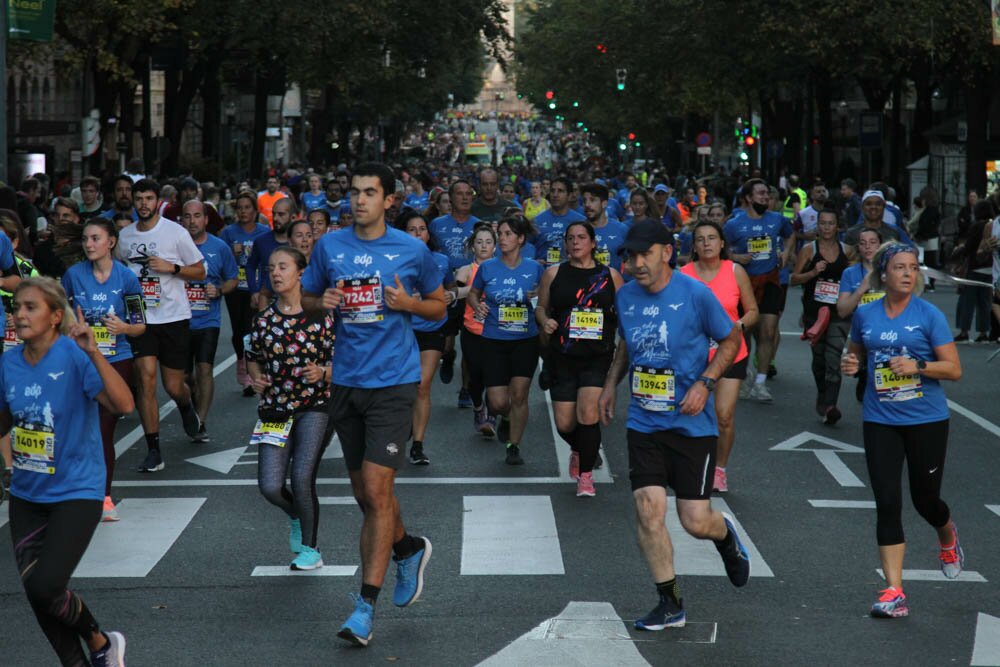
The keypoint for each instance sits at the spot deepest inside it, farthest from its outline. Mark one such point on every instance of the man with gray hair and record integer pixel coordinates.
(489, 206)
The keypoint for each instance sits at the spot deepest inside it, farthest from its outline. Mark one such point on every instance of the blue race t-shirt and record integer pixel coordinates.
(614, 210)
(220, 267)
(914, 333)
(375, 344)
(417, 202)
(111, 213)
(668, 334)
(97, 300)
(240, 243)
(451, 235)
(258, 277)
(761, 238)
(684, 241)
(505, 291)
(851, 279)
(609, 239)
(311, 202)
(551, 240)
(447, 276)
(56, 437)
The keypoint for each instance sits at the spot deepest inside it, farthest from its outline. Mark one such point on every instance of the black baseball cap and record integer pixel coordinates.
(645, 234)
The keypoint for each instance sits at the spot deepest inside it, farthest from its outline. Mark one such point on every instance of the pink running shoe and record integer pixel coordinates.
(585, 485)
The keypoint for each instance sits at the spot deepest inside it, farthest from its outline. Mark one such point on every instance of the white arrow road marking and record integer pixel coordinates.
(986, 649)
(584, 634)
(967, 576)
(830, 458)
(220, 461)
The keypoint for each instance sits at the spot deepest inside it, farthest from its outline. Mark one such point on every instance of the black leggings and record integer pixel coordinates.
(240, 314)
(472, 355)
(108, 421)
(49, 541)
(923, 446)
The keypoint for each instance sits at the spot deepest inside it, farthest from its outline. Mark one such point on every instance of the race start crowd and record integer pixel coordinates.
(346, 300)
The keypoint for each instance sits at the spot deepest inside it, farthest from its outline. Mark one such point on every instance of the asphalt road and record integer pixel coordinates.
(523, 570)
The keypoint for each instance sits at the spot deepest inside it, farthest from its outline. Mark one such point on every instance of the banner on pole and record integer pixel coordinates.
(30, 20)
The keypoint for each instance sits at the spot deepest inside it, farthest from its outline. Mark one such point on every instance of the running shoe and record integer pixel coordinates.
(503, 429)
(891, 604)
(417, 456)
(667, 614)
(295, 535)
(113, 653)
(833, 415)
(514, 455)
(202, 435)
(736, 557)
(357, 629)
(153, 462)
(982, 338)
(110, 512)
(447, 371)
(720, 483)
(191, 422)
(574, 464)
(585, 485)
(760, 393)
(464, 398)
(308, 559)
(953, 559)
(410, 575)
(962, 338)
(483, 422)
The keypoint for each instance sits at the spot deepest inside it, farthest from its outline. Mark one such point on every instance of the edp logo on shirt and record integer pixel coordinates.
(33, 391)
(890, 336)
(363, 260)
(651, 311)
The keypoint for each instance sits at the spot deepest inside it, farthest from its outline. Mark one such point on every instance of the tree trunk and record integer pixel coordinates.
(178, 97)
(259, 128)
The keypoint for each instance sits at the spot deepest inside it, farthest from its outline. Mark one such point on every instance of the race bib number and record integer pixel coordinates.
(34, 450)
(151, 291)
(197, 297)
(892, 387)
(826, 291)
(514, 318)
(362, 302)
(241, 275)
(603, 256)
(553, 255)
(759, 247)
(10, 339)
(871, 297)
(586, 323)
(105, 340)
(271, 433)
(653, 388)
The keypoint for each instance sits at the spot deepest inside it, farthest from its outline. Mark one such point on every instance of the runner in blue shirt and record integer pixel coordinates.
(855, 289)
(666, 321)
(241, 237)
(429, 334)
(314, 198)
(909, 349)
(501, 295)
(552, 223)
(49, 391)
(369, 274)
(221, 277)
(110, 299)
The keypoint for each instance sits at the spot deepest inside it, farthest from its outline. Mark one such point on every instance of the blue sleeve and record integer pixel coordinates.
(478, 283)
(3, 387)
(730, 235)
(430, 277)
(903, 236)
(229, 269)
(940, 332)
(856, 328)
(6, 253)
(92, 383)
(315, 279)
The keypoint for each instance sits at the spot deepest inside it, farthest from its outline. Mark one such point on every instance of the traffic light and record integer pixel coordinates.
(601, 48)
(549, 94)
(622, 146)
(90, 131)
(631, 136)
(552, 105)
(744, 157)
(749, 141)
(637, 144)
(576, 105)
(620, 74)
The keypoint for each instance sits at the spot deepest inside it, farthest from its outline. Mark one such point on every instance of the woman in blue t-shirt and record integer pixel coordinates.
(110, 299)
(502, 294)
(50, 387)
(909, 349)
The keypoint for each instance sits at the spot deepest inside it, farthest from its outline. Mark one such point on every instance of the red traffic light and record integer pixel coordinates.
(549, 94)
(631, 136)
(750, 141)
(601, 48)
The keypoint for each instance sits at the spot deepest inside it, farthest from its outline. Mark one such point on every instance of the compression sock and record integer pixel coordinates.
(407, 546)
(153, 441)
(569, 437)
(670, 589)
(588, 442)
(370, 593)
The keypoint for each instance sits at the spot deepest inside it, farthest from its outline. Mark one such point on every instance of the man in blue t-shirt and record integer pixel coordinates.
(551, 224)
(205, 297)
(376, 278)
(258, 278)
(666, 321)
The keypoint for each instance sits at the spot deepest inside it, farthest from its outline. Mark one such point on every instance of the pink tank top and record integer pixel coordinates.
(727, 291)
(472, 325)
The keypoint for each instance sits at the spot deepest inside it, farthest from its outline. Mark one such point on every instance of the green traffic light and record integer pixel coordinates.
(622, 147)
(744, 156)
(576, 105)
(552, 105)
(621, 86)
(637, 144)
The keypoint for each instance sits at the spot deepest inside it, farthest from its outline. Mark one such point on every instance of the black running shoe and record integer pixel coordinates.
(202, 435)
(447, 371)
(153, 462)
(735, 557)
(514, 456)
(191, 422)
(417, 456)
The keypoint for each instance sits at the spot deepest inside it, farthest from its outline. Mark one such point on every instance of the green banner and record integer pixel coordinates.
(31, 20)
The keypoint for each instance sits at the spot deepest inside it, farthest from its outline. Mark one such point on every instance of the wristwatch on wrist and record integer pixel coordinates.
(177, 269)
(708, 382)
(921, 366)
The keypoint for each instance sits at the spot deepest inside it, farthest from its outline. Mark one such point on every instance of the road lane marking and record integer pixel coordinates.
(844, 504)
(986, 647)
(700, 557)
(473, 481)
(285, 571)
(504, 535)
(994, 508)
(973, 417)
(838, 469)
(221, 462)
(829, 458)
(584, 633)
(337, 500)
(967, 576)
(133, 546)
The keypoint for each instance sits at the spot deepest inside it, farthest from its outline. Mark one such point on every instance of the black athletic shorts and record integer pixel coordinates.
(204, 343)
(506, 359)
(373, 424)
(767, 291)
(738, 370)
(169, 343)
(668, 459)
(571, 373)
(430, 340)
